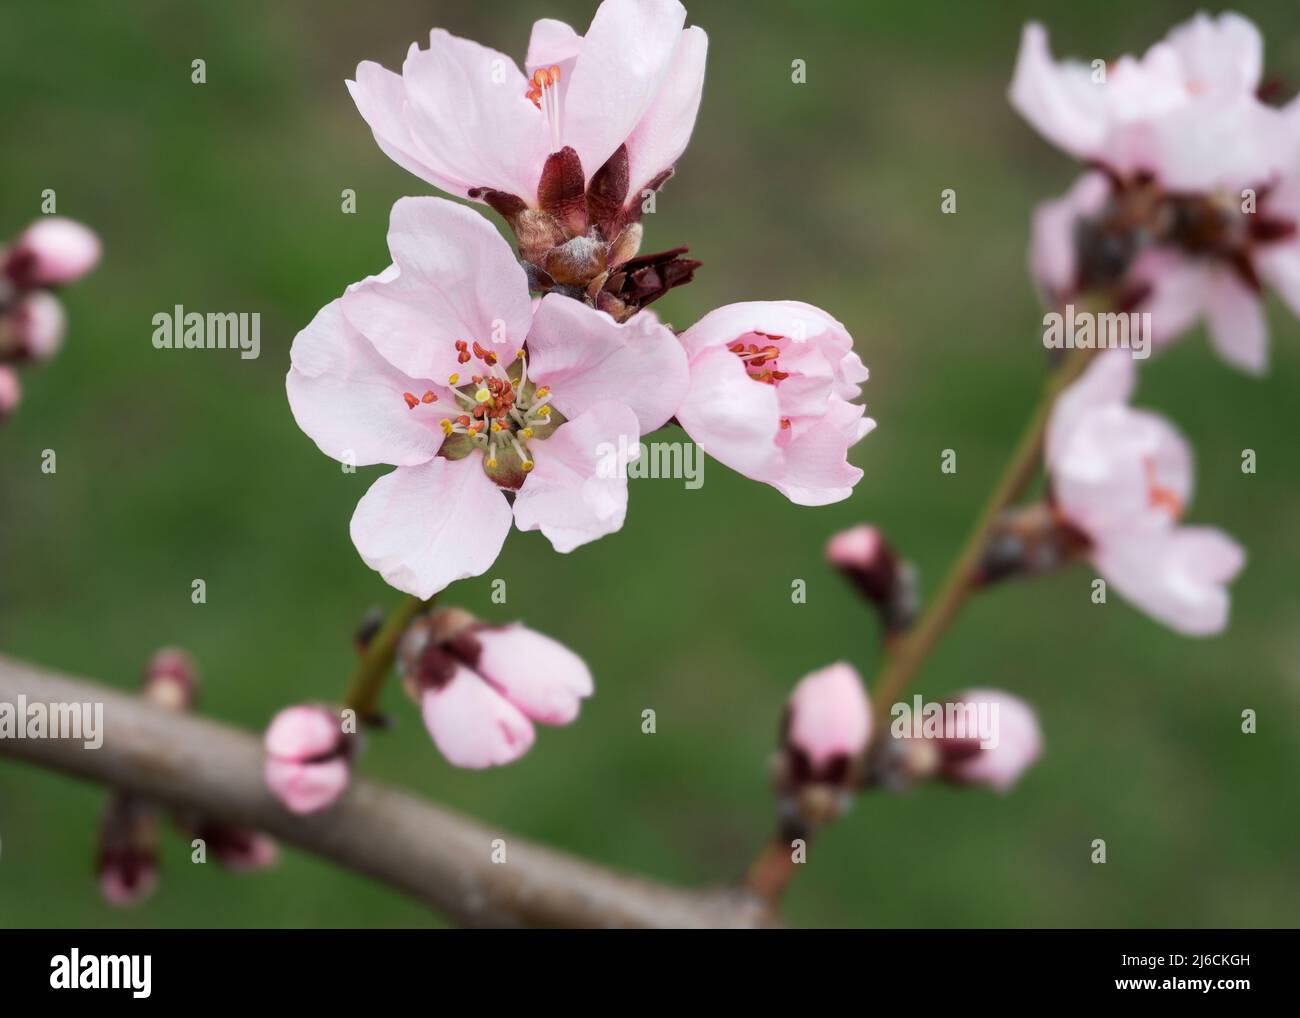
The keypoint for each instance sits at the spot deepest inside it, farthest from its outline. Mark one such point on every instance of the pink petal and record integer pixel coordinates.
(730, 416)
(577, 492)
(460, 120)
(585, 356)
(815, 469)
(424, 526)
(302, 732)
(1052, 256)
(1119, 470)
(472, 724)
(1108, 381)
(1279, 264)
(540, 676)
(1177, 578)
(380, 97)
(1238, 330)
(1178, 289)
(552, 43)
(625, 55)
(1061, 101)
(349, 400)
(306, 787)
(1019, 742)
(663, 132)
(457, 279)
(829, 715)
(1219, 54)
(39, 323)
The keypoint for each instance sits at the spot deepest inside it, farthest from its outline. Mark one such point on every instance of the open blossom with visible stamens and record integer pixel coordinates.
(1017, 743)
(771, 384)
(481, 687)
(443, 367)
(307, 758)
(565, 153)
(1194, 207)
(1122, 478)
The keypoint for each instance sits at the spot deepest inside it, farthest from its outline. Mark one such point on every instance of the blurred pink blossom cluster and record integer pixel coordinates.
(50, 253)
(1189, 206)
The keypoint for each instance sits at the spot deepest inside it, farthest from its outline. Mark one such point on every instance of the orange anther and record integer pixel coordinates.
(411, 401)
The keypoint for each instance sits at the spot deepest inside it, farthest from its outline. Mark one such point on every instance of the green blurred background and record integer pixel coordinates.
(226, 197)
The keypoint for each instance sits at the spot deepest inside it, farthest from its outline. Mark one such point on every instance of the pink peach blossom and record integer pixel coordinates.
(443, 367)
(1197, 208)
(770, 390)
(51, 252)
(827, 724)
(465, 118)
(481, 687)
(1123, 477)
(1186, 111)
(307, 754)
(1018, 743)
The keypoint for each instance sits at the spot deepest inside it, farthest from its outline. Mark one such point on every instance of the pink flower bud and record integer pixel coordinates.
(171, 679)
(481, 687)
(237, 848)
(1015, 744)
(307, 757)
(128, 851)
(11, 391)
(869, 563)
(51, 252)
(827, 726)
(32, 330)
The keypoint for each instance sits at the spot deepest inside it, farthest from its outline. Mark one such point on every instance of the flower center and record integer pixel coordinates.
(502, 411)
(544, 93)
(760, 360)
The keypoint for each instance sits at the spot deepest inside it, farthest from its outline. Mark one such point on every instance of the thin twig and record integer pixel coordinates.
(377, 660)
(428, 852)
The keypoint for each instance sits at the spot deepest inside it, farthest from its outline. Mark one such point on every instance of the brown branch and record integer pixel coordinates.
(428, 852)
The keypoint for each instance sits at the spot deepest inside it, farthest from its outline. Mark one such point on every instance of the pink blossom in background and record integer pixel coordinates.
(307, 758)
(1186, 112)
(1000, 766)
(1123, 477)
(127, 863)
(1197, 208)
(480, 688)
(770, 390)
(53, 251)
(827, 724)
(445, 368)
(466, 119)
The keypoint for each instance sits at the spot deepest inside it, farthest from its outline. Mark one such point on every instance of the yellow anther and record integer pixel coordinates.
(482, 395)
(491, 463)
(527, 432)
(545, 411)
(527, 465)
(453, 379)
(496, 426)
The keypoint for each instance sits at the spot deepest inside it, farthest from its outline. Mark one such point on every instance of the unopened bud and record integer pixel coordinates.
(307, 758)
(1015, 744)
(128, 851)
(171, 680)
(863, 556)
(32, 329)
(51, 252)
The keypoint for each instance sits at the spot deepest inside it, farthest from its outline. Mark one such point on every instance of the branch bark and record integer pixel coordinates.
(430, 853)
